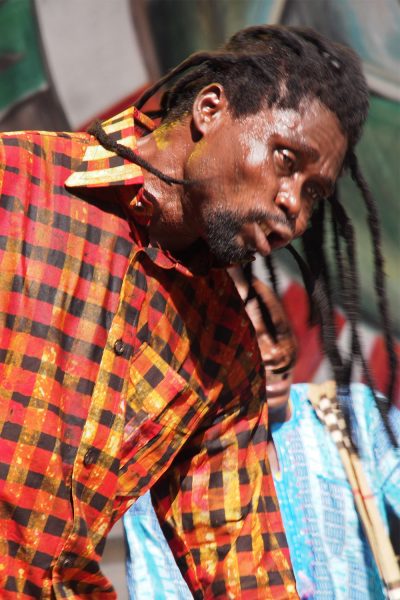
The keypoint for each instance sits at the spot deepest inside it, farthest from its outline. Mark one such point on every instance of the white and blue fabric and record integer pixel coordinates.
(152, 573)
(330, 555)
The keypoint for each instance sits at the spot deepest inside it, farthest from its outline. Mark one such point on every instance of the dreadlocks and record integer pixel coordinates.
(272, 66)
(281, 66)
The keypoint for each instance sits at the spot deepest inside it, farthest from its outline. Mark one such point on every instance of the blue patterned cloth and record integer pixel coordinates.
(330, 556)
(151, 569)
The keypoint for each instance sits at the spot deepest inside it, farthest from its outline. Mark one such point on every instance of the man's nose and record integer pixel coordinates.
(276, 357)
(289, 200)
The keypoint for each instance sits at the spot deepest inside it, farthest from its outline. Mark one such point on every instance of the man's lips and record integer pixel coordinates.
(261, 240)
(254, 236)
(263, 237)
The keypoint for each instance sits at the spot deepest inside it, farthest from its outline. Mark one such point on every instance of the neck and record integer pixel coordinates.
(280, 414)
(166, 149)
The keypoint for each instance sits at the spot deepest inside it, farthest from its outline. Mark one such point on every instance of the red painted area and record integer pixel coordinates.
(379, 368)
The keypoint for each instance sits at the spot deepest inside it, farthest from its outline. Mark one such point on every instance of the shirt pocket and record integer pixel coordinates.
(161, 411)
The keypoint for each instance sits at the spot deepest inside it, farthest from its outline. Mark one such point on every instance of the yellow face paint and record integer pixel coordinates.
(161, 136)
(197, 150)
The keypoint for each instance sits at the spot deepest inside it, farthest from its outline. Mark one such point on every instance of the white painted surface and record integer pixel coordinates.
(92, 52)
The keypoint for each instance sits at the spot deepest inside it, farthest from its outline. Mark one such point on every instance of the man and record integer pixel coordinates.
(329, 550)
(127, 359)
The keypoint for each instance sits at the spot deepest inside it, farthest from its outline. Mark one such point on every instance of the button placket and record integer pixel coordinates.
(115, 361)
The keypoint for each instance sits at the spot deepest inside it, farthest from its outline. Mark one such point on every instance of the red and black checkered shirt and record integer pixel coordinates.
(121, 369)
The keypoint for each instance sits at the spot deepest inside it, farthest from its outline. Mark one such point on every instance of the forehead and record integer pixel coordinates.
(311, 127)
(309, 115)
(311, 119)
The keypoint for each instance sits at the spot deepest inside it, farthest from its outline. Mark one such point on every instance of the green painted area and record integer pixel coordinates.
(379, 155)
(21, 67)
(180, 27)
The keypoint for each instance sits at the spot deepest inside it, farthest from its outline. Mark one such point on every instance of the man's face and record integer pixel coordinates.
(258, 178)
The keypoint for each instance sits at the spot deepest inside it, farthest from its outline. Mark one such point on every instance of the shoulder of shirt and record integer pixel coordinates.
(35, 140)
(363, 401)
(299, 391)
(365, 409)
(32, 135)
(361, 395)
(41, 144)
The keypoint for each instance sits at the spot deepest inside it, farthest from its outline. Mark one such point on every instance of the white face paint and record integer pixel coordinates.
(257, 152)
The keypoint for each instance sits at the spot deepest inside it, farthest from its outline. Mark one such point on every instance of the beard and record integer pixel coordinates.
(221, 229)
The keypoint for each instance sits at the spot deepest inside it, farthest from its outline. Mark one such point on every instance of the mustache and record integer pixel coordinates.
(233, 220)
(255, 216)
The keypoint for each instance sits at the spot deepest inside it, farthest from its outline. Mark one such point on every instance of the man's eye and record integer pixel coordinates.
(314, 193)
(286, 160)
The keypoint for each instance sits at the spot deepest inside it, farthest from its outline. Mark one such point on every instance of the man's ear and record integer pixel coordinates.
(209, 106)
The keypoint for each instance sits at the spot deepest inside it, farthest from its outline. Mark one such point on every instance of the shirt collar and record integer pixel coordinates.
(102, 168)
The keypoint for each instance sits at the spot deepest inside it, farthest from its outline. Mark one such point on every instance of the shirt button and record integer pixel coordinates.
(67, 562)
(90, 457)
(119, 347)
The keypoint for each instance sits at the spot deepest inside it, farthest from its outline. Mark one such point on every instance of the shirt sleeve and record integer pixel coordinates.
(217, 504)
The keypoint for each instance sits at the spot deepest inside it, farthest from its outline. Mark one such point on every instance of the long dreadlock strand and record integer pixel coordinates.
(247, 271)
(351, 304)
(350, 282)
(337, 250)
(346, 282)
(314, 249)
(313, 245)
(319, 298)
(252, 293)
(110, 144)
(270, 266)
(197, 65)
(193, 60)
(221, 62)
(379, 275)
(329, 341)
(308, 278)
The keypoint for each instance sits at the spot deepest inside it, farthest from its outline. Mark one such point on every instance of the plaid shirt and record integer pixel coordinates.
(121, 369)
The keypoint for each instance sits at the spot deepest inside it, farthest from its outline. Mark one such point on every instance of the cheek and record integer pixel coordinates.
(265, 345)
